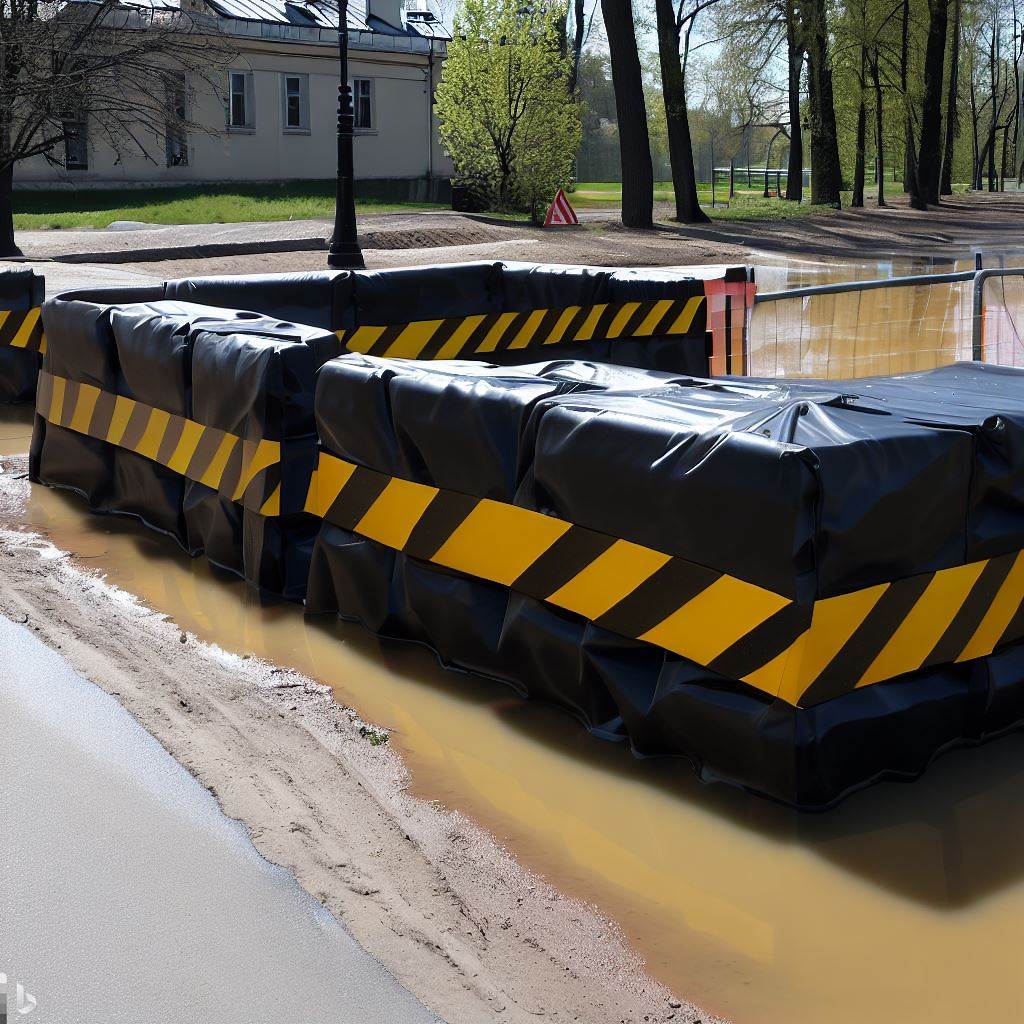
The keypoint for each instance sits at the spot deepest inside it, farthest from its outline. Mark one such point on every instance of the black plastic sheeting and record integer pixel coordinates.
(345, 300)
(242, 372)
(193, 348)
(809, 489)
(19, 290)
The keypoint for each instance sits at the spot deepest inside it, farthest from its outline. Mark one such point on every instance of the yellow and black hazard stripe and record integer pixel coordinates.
(241, 470)
(803, 655)
(22, 328)
(478, 335)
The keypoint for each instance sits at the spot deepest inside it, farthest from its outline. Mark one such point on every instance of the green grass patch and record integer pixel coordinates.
(217, 204)
(751, 208)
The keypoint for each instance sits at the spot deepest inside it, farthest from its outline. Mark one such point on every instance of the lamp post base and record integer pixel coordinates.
(345, 257)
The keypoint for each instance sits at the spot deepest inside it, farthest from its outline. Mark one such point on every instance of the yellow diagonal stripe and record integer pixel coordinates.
(586, 332)
(87, 395)
(715, 619)
(267, 454)
(409, 344)
(215, 470)
(149, 443)
(834, 621)
(272, 506)
(682, 322)
(453, 346)
(329, 478)
(999, 614)
(123, 409)
(363, 338)
(613, 575)
(619, 321)
(649, 322)
(561, 325)
(921, 628)
(497, 331)
(21, 339)
(56, 401)
(396, 511)
(191, 435)
(525, 333)
(499, 542)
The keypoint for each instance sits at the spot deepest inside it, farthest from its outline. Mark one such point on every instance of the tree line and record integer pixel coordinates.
(848, 85)
(926, 94)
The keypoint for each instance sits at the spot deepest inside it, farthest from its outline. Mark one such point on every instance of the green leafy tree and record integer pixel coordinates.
(506, 113)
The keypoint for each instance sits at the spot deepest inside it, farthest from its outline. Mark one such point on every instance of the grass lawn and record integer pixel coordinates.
(211, 204)
(747, 204)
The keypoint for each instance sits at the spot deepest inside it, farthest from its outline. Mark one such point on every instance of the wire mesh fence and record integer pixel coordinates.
(869, 328)
(862, 333)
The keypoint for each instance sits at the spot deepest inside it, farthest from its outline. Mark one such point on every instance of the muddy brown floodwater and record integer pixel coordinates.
(904, 904)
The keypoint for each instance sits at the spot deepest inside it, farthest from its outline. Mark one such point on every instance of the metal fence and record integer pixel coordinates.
(889, 325)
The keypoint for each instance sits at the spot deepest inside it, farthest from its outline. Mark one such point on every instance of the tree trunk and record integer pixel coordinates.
(631, 111)
(975, 156)
(929, 158)
(861, 139)
(795, 53)
(827, 178)
(677, 122)
(879, 129)
(909, 159)
(8, 247)
(952, 120)
(578, 27)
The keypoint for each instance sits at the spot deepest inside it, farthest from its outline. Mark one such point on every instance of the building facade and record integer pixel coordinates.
(274, 116)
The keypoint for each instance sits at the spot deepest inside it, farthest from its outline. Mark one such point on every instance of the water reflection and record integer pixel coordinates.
(904, 904)
(15, 428)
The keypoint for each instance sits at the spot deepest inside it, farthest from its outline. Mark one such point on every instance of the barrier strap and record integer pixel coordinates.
(22, 328)
(456, 337)
(800, 654)
(241, 470)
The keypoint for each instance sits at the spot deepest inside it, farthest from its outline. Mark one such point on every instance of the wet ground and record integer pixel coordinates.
(128, 896)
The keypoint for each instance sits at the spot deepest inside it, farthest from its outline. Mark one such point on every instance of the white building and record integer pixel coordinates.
(275, 118)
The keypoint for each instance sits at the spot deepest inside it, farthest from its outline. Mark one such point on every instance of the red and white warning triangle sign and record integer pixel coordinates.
(560, 212)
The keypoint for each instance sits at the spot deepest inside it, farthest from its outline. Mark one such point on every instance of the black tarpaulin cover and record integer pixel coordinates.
(884, 513)
(243, 373)
(21, 292)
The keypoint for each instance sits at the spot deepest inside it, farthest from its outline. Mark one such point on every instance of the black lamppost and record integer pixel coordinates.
(344, 251)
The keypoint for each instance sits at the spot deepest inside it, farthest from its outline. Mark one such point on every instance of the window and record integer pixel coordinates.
(76, 140)
(362, 103)
(240, 100)
(177, 140)
(295, 99)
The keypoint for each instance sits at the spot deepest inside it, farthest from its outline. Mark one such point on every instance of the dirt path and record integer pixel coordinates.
(426, 891)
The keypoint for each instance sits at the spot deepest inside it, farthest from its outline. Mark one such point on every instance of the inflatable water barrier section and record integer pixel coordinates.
(21, 334)
(802, 587)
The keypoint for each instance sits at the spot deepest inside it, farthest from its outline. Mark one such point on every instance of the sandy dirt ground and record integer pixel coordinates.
(436, 899)
(960, 226)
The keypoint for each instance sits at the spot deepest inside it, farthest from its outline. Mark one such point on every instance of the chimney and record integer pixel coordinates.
(388, 11)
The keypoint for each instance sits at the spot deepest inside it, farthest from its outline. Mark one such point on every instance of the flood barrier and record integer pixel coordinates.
(189, 404)
(21, 334)
(802, 587)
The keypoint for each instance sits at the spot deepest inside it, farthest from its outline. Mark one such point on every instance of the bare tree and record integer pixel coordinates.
(129, 73)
